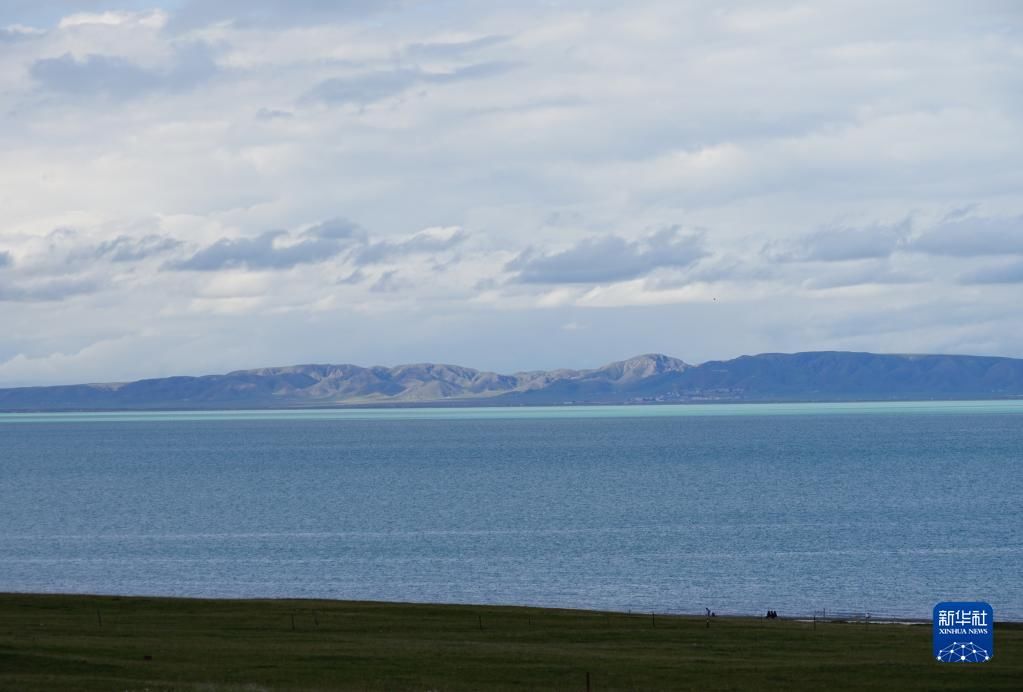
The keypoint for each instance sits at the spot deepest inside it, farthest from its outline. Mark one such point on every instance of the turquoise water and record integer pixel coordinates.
(542, 412)
(885, 508)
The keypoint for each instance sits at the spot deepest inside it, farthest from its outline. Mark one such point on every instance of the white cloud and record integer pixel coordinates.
(155, 19)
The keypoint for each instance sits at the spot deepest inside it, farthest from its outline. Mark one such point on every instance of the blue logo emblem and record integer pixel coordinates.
(964, 632)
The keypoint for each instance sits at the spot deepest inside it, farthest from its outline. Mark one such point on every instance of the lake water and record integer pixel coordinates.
(880, 508)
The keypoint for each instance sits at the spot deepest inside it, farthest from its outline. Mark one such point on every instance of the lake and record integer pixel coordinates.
(883, 508)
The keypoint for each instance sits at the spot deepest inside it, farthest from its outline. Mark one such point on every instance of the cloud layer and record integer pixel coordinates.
(608, 258)
(508, 185)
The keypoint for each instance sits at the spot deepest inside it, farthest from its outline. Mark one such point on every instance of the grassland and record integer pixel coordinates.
(120, 643)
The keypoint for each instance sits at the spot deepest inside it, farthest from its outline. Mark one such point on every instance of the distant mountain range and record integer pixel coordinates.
(651, 378)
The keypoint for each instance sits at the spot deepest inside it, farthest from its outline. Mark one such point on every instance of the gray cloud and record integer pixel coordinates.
(973, 236)
(316, 244)
(273, 114)
(843, 244)
(364, 89)
(254, 253)
(65, 250)
(127, 249)
(67, 247)
(370, 87)
(389, 282)
(1011, 273)
(418, 243)
(356, 277)
(114, 76)
(609, 258)
(336, 229)
(274, 249)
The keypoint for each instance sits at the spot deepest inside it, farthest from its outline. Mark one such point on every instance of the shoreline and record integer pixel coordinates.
(825, 615)
(93, 643)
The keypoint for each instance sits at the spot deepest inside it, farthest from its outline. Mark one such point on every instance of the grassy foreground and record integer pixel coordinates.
(120, 643)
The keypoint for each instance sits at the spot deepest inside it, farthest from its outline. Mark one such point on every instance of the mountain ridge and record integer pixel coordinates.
(647, 378)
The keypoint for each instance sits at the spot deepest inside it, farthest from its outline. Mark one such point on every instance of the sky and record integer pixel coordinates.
(190, 187)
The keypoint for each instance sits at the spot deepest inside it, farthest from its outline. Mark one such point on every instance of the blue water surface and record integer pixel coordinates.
(880, 508)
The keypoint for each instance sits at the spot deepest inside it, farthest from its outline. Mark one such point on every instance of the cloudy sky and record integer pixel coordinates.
(190, 187)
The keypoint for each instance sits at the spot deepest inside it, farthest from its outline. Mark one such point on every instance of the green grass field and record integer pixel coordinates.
(113, 643)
